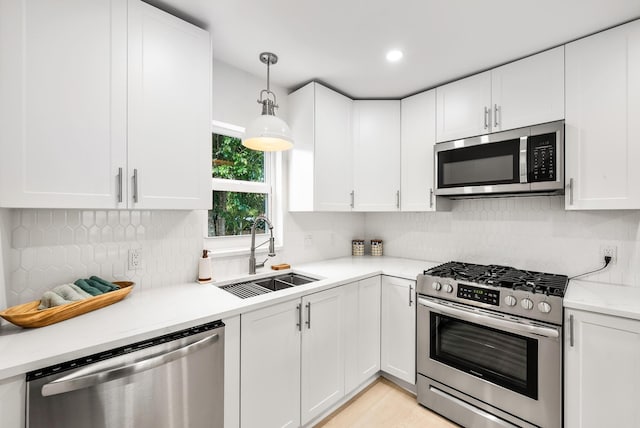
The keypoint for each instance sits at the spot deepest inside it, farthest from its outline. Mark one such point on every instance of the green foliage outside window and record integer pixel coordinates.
(233, 212)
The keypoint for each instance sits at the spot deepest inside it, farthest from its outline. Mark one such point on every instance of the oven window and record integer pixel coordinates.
(499, 357)
(484, 164)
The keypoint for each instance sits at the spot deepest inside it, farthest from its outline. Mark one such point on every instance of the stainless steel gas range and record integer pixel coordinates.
(489, 345)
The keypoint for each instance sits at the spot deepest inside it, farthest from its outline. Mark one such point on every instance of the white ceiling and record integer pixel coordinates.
(343, 42)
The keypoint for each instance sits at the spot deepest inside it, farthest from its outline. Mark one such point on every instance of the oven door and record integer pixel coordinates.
(511, 364)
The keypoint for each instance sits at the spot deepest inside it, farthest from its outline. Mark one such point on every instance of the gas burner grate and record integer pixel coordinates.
(502, 276)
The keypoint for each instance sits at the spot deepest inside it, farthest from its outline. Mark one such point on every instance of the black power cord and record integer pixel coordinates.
(607, 260)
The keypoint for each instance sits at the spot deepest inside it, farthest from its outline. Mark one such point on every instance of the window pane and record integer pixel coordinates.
(231, 160)
(233, 213)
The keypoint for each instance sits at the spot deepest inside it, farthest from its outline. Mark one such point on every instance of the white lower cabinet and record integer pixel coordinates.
(12, 402)
(292, 361)
(270, 366)
(362, 331)
(601, 370)
(398, 347)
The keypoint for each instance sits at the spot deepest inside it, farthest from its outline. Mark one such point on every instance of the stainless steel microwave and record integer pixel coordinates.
(517, 161)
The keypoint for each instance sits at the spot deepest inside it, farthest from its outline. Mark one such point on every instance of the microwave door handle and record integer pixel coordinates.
(523, 159)
(489, 321)
(75, 382)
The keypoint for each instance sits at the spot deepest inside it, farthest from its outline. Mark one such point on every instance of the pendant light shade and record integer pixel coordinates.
(268, 133)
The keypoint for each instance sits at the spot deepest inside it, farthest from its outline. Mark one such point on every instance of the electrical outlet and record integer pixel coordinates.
(609, 251)
(308, 241)
(135, 258)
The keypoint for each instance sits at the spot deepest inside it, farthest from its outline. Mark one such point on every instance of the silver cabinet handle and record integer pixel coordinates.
(410, 294)
(571, 191)
(431, 197)
(495, 115)
(353, 198)
(571, 330)
(119, 184)
(74, 382)
(308, 322)
(135, 185)
(299, 323)
(398, 199)
(486, 117)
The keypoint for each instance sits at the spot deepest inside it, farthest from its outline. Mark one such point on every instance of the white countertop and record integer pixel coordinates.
(608, 299)
(149, 313)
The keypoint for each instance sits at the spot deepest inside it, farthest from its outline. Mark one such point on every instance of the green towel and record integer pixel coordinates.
(105, 283)
(88, 288)
(96, 284)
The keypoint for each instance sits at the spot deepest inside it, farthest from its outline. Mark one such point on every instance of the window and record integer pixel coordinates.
(241, 184)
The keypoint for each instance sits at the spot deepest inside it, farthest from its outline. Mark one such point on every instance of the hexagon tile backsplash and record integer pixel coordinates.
(51, 247)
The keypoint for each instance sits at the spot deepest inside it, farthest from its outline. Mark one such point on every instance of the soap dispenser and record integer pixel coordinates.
(204, 268)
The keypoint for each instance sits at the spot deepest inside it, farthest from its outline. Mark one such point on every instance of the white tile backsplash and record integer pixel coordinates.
(533, 233)
(51, 247)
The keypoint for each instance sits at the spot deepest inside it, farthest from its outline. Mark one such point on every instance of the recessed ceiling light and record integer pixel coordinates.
(394, 55)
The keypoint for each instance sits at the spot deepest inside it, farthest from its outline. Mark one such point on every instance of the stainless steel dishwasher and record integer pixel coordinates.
(172, 381)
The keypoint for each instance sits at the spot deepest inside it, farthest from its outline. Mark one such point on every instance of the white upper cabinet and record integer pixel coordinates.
(522, 93)
(602, 127)
(320, 163)
(63, 111)
(95, 93)
(376, 155)
(169, 111)
(418, 137)
(463, 108)
(529, 91)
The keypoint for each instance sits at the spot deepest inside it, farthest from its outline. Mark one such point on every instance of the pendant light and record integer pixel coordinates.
(268, 133)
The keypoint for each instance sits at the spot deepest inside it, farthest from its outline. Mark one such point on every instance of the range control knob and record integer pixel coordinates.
(510, 301)
(448, 288)
(526, 304)
(544, 307)
(436, 286)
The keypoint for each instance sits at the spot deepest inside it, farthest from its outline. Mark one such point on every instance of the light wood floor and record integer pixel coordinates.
(384, 405)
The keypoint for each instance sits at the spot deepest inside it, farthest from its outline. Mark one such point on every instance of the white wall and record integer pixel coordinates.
(5, 245)
(533, 233)
(235, 95)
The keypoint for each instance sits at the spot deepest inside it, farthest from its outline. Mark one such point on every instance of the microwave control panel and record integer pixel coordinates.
(479, 294)
(541, 151)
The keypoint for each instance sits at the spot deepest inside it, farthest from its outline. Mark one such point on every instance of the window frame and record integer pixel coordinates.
(240, 244)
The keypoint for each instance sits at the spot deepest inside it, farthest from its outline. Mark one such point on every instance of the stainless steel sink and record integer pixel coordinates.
(247, 289)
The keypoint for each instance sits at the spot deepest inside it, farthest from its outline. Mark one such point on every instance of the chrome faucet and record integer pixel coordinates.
(272, 250)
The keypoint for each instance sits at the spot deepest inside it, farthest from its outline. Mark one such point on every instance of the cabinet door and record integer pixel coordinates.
(322, 382)
(376, 155)
(63, 112)
(169, 111)
(270, 367)
(333, 180)
(398, 352)
(602, 371)
(463, 108)
(529, 91)
(418, 136)
(602, 130)
(368, 328)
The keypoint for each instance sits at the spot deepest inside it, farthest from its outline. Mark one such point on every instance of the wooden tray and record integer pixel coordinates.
(27, 315)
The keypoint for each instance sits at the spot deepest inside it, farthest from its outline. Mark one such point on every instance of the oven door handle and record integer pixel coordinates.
(490, 321)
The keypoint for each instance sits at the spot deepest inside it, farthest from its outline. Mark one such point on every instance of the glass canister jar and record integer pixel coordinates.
(376, 247)
(357, 247)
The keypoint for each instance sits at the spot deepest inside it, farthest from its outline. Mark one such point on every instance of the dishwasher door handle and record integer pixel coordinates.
(75, 382)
